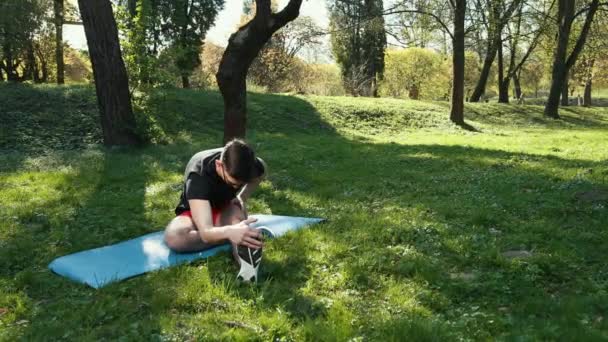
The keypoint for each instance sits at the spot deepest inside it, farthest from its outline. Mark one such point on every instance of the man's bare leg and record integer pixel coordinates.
(233, 214)
(181, 234)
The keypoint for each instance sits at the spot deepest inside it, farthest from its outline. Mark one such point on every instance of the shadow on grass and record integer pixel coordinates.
(454, 199)
(99, 200)
(411, 214)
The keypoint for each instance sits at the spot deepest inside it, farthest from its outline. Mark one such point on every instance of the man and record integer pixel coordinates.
(212, 210)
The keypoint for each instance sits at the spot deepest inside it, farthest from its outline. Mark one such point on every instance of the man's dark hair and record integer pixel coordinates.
(239, 160)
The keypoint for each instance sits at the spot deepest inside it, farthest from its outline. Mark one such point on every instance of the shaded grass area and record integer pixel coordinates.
(419, 215)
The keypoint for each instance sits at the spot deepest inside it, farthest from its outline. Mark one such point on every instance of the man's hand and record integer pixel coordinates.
(243, 234)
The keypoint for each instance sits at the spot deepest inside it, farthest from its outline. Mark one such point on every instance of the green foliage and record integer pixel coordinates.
(317, 79)
(419, 215)
(21, 21)
(415, 73)
(156, 30)
(358, 41)
(277, 66)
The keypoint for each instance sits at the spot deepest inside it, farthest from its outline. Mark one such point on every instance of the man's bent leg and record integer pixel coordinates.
(181, 235)
(232, 214)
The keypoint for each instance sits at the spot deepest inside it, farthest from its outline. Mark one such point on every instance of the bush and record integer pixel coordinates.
(316, 79)
(415, 73)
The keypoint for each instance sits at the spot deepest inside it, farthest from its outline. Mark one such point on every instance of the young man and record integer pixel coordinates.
(211, 210)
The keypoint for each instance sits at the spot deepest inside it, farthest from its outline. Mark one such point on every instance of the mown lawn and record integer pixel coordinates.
(423, 221)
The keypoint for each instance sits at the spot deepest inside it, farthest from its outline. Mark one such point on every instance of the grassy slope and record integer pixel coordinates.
(419, 214)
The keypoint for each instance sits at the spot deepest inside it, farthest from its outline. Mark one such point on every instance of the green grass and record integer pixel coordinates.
(419, 213)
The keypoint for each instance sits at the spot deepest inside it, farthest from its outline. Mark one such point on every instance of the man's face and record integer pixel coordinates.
(228, 179)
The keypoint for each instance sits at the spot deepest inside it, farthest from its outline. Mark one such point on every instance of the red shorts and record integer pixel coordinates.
(215, 215)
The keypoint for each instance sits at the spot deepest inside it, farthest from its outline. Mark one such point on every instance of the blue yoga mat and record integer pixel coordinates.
(101, 266)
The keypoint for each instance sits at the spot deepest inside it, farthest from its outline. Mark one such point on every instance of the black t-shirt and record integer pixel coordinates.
(208, 185)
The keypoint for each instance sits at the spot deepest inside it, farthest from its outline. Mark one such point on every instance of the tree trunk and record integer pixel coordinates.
(516, 86)
(44, 69)
(9, 67)
(58, 9)
(558, 73)
(243, 46)
(561, 65)
(587, 93)
(1, 70)
(499, 17)
(414, 92)
(185, 82)
(564, 96)
(30, 62)
(503, 91)
(111, 82)
(503, 83)
(457, 101)
(480, 87)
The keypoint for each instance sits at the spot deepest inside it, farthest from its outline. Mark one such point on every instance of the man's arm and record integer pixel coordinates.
(250, 187)
(239, 233)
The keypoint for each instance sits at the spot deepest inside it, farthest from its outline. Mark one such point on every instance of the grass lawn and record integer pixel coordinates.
(434, 233)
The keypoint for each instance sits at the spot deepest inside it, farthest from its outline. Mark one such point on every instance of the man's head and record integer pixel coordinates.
(237, 163)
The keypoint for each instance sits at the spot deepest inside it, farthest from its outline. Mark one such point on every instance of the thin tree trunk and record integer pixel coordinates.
(44, 69)
(503, 83)
(457, 101)
(1, 70)
(414, 92)
(58, 9)
(8, 54)
(587, 93)
(480, 87)
(243, 46)
(111, 82)
(564, 96)
(185, 82)
(30, 62)
(517, 86)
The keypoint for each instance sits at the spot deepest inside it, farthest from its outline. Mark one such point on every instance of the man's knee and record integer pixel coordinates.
(176, 230)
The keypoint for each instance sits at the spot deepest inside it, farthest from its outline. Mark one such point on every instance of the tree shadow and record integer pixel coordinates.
(459, 196)
(99, 200)
(462, 195)
(437, 207)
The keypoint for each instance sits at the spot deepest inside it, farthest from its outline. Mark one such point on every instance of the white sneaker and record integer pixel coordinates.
(250, 260)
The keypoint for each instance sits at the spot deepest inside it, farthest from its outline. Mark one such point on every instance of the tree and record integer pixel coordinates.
(111, 82)
(20, 22)
(185, 24)
(415, 73)
(58, 11)
(277, 59)
(358, 40)
(520, 41)
(173, 29)
(532, 74)
(416, 29)
(450, 13)
(588, 68)
(562, 61)
(499, 13)
(458, 58)
(243, 46)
